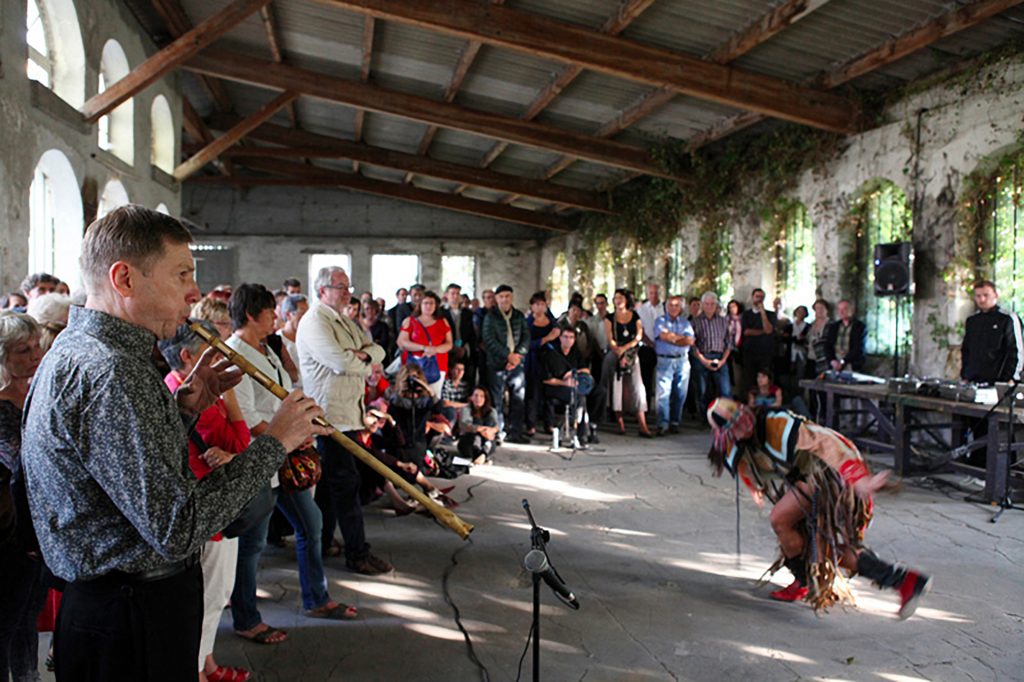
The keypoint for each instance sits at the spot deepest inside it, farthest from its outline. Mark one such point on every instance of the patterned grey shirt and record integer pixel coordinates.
(105, 453)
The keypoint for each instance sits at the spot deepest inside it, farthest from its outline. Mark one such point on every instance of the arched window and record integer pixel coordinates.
(116, 129)
(162, 208)
(37, 34)
(881, 216)
(56, 56)
(558, 284)
(795, 270)
(161, 152)
(723, 262)
(56, 222)
(114, 195)
(676, 268)
(1003, 236)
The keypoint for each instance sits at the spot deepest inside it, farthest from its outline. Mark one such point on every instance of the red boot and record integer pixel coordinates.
(911, 589)
(795, 592)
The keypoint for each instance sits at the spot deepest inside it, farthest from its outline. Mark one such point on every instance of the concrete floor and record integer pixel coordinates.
(646, 538)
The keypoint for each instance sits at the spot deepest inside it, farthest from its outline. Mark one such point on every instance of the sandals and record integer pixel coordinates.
(266, 636)
(222, 674)
(337, 612)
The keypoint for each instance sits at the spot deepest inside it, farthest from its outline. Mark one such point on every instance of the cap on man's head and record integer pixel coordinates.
(502, 289)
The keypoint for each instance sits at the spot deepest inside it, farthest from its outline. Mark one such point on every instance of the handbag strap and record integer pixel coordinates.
(198, 441)
(430, 341)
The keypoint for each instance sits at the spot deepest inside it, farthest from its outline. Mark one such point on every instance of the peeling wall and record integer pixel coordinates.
(966, 123)
(34, 120)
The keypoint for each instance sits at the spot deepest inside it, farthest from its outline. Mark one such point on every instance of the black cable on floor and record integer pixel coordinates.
(529, 638)
(485, 674)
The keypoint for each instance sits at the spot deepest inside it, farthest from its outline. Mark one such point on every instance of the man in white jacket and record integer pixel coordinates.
(335, 358)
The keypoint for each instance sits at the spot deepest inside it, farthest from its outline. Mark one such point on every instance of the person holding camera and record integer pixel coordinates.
(713, 344)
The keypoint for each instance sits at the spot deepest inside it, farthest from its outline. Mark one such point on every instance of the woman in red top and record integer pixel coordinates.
(222, 434)
(426, 333)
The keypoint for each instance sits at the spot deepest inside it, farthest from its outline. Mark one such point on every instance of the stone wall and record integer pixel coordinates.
(34, 120)
(966, 123)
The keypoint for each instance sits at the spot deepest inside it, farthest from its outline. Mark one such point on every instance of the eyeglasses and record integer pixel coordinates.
(349, 289)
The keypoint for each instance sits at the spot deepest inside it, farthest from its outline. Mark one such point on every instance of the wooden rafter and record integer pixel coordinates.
(302, 144)
(301, 175)
(757, 32)
(214, 149)
(178, 24)
(550, 39)
(627, 12)
(197, 130)
(167, 59)
(887, 53)
(283, 77)
(364, 77)
(274, 42)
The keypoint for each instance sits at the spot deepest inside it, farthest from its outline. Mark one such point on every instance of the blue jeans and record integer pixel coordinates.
(673, 380)
(304, 516)
(243, 597)
(515, 379)
(302, 512)
(706, 377)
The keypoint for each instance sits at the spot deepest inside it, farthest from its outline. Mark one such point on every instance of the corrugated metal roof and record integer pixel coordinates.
(326, 39)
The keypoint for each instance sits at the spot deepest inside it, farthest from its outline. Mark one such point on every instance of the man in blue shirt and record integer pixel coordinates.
(673, 335)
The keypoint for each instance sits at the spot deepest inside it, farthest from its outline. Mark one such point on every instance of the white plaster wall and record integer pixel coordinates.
(28, 130)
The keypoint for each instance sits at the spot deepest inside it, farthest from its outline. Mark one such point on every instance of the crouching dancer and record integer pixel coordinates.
(820, 489)
(118, 513)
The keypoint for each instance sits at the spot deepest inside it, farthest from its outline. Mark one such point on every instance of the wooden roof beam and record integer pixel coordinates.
(364, 77)
(215, 148)
(274, 42)
(302, 144)
(627, 12)
(197, 130)
(757, 32)
(301, 175)
(550, 39)
(178, 24)
(246, 69)
(165, 61)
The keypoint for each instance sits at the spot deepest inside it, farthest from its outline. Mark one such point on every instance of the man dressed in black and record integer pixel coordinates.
(992, 347)
(561, 369)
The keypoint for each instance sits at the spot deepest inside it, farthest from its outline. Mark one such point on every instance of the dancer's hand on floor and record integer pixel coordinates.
(869, 485)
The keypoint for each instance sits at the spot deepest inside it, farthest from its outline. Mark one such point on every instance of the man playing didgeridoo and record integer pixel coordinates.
(118, 513)
(820, 489)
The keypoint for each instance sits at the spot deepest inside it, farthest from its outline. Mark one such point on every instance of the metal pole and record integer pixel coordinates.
(536, 627)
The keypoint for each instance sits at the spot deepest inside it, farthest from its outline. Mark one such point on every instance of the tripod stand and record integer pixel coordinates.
(569, 431)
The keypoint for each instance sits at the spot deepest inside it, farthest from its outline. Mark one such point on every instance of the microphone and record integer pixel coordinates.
(536, 562)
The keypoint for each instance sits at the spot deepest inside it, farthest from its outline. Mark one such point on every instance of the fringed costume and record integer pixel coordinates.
(777, 453)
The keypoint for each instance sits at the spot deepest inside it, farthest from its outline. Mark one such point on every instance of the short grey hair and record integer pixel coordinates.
(15, 328)
(323, 277)
(709, 296)
(290, 304)
(185, 338)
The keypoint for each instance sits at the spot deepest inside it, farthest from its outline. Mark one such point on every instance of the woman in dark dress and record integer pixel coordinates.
(625, 331)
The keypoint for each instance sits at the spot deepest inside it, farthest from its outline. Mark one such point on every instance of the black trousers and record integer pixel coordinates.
(337, 495)
(112, 629)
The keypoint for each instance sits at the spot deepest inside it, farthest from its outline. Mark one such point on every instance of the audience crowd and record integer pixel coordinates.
(432, 383)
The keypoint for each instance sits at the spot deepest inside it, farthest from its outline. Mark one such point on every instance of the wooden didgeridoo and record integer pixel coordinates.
(445, 516)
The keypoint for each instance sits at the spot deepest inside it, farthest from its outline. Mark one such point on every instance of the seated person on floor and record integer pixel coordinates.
(417, 416)
(479, 427)
(376, 385)
(563, 369)
(454, 392)
(374, 484)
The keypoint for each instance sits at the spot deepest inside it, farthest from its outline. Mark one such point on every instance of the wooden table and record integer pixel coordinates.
(894, 417)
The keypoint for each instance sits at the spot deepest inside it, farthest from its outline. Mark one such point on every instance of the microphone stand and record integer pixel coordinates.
(539, 537)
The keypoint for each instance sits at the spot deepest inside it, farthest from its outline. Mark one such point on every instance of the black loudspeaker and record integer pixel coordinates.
(892, 269)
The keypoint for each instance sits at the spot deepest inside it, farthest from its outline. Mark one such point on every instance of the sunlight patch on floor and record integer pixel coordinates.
(385, 590)
(438, 632)
(777, 654)
(518, 477)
